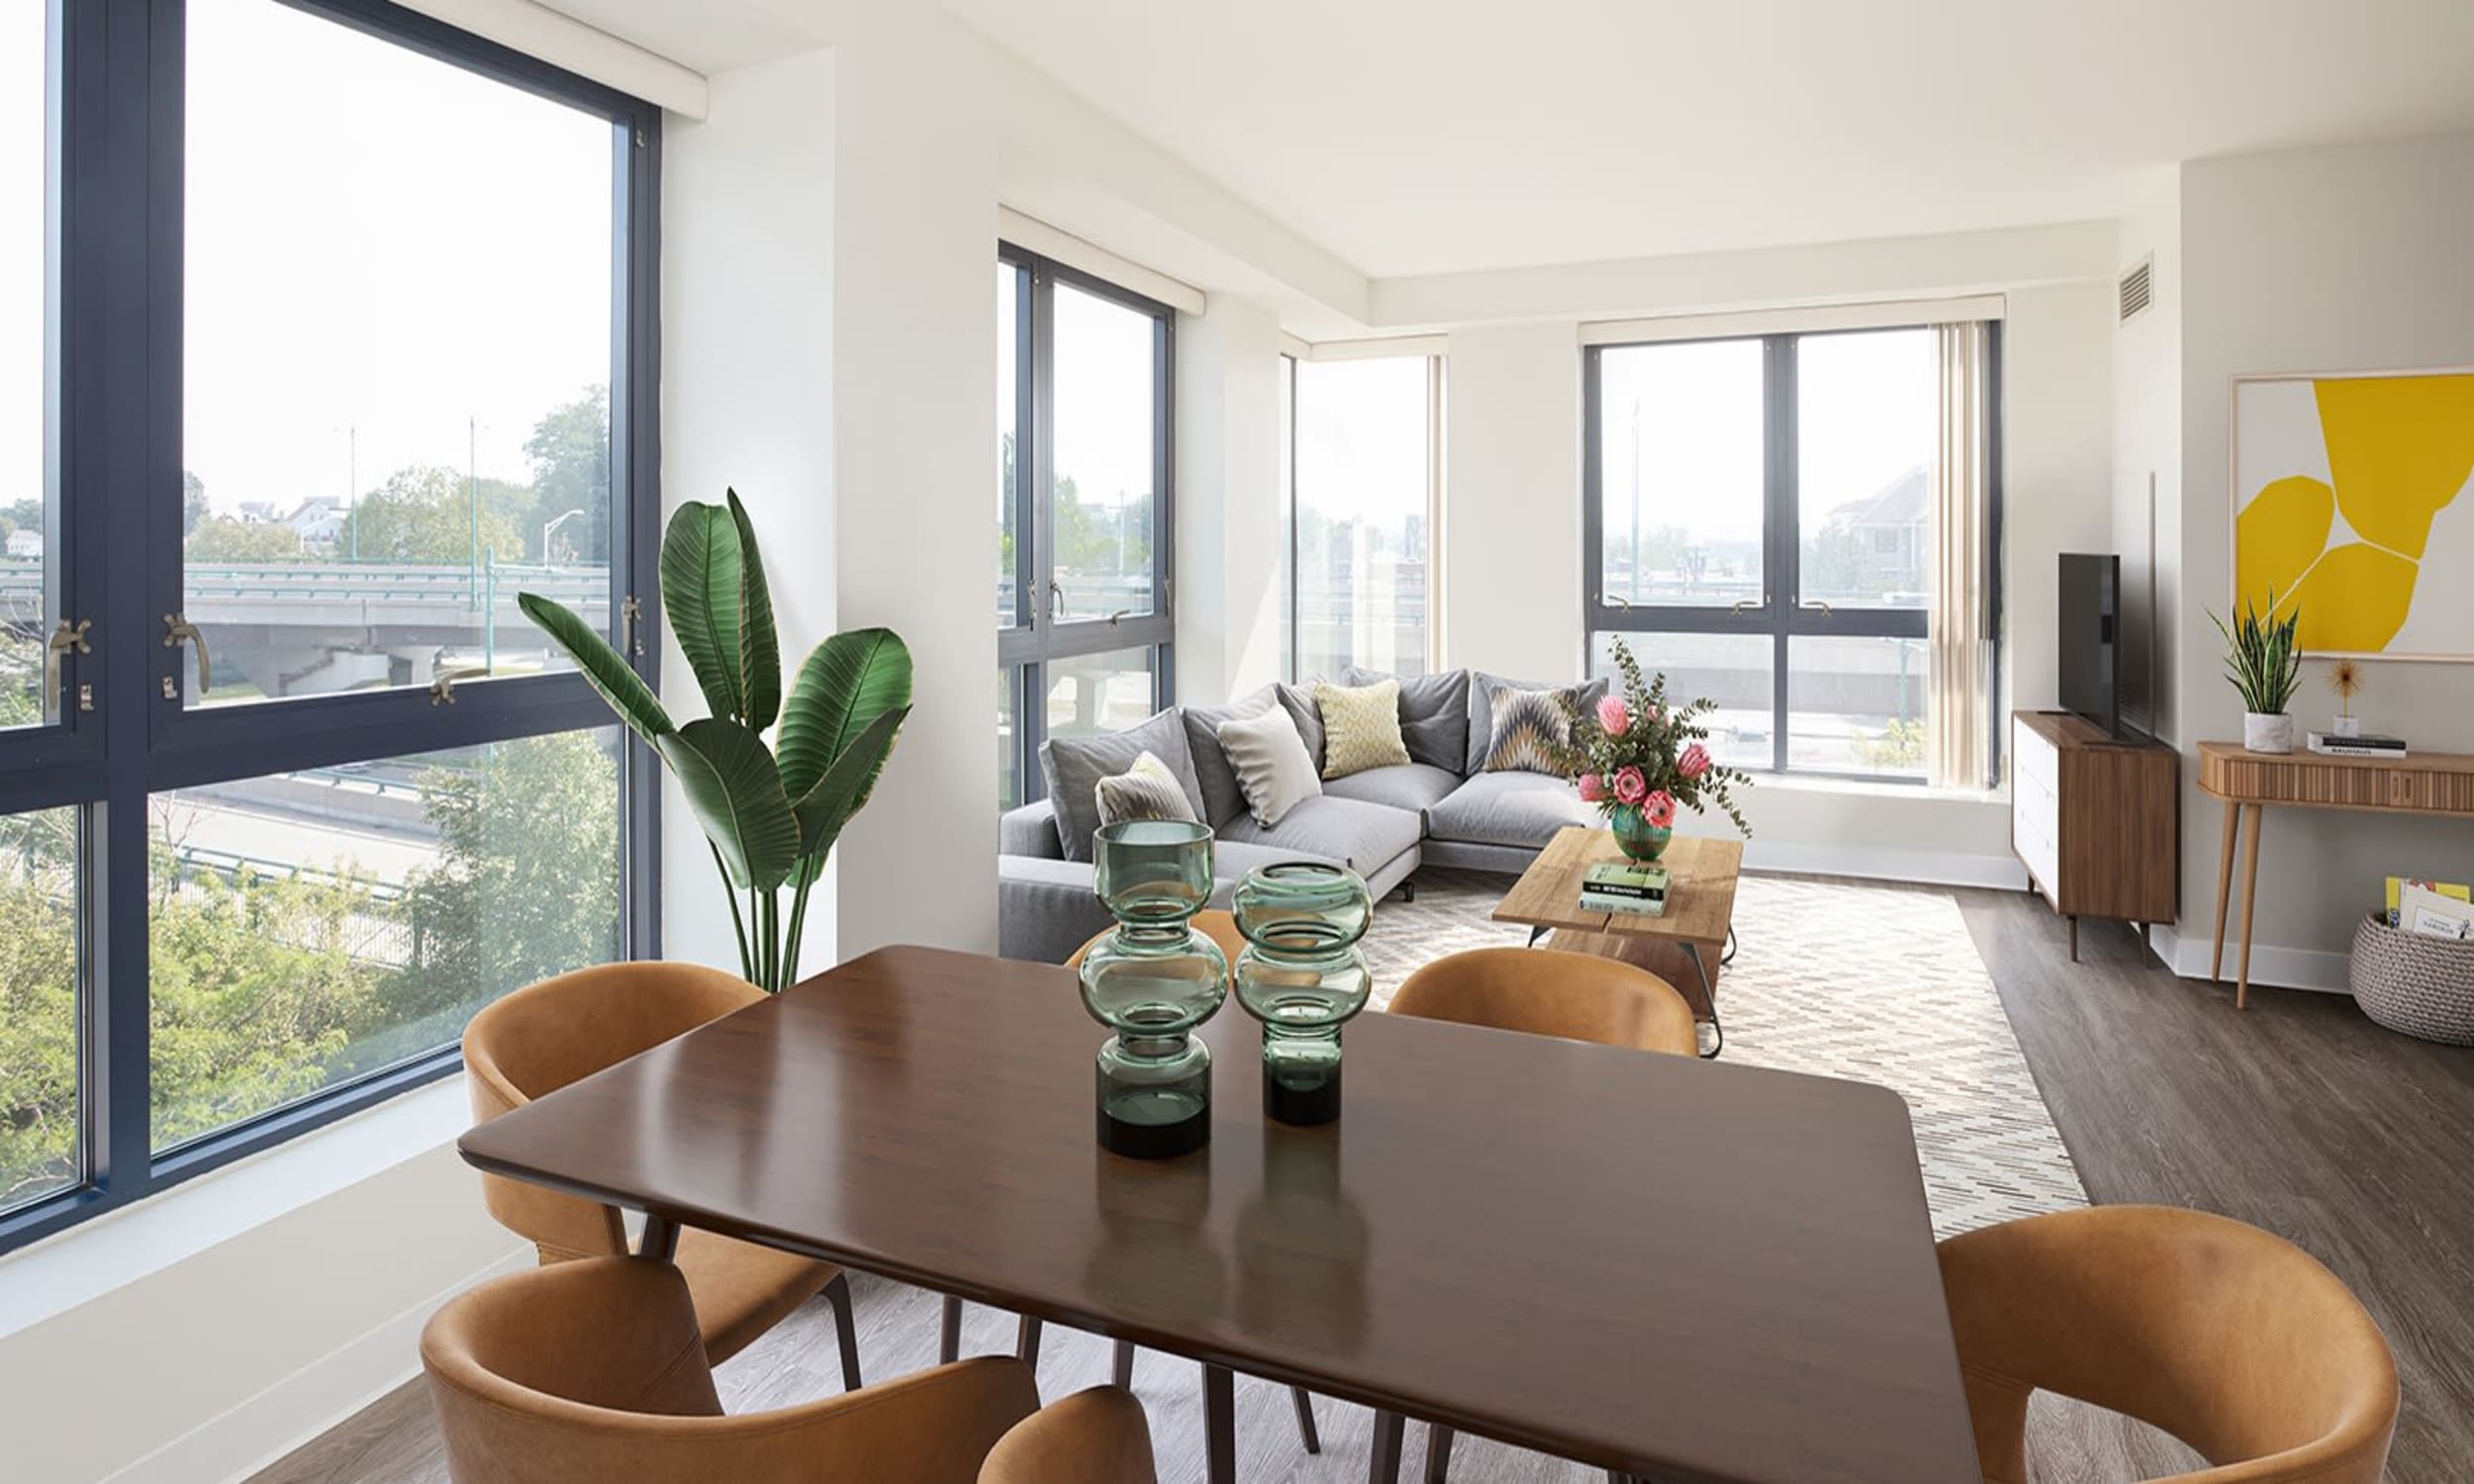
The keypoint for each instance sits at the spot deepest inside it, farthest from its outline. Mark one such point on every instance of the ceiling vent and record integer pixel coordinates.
(2139, 288)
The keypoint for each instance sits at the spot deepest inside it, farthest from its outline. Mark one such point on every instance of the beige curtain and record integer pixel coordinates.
(1960, 730)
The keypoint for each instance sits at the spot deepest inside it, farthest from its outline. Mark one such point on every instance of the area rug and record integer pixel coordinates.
(1878, 983)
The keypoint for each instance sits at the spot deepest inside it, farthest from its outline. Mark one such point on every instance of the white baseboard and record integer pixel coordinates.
(1930, 868)
(2277, 968)
(256, 1432)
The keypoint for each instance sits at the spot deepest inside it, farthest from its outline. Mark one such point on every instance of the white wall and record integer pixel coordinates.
(1511, 500)
(1228, 518)
(2057, 478)
(2147, 456)
(2349, 258)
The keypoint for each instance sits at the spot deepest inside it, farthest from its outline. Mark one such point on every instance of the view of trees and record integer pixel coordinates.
(1092, 540)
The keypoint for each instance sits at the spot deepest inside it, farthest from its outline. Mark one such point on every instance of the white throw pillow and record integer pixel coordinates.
(1273, 770)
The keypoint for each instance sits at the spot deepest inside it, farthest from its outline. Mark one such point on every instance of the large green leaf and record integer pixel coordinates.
(702, 573)
(843, 791)
(736, 793)
(760, 648)
(847, 683)
(601, 666)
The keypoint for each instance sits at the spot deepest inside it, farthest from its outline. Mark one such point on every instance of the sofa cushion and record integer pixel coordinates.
(1362, 836)
(1030, 830)
(1073, 767)
(1413, 787)
(1522, 809)
(1434, 714)
(1300, 703)
(1146, 791)
(1271, 763)
(1482, 688)
(1222, 799)
(1361, 728)
(1532, 732)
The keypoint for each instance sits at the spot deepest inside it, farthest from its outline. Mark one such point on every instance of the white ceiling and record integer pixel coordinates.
(1413, 137)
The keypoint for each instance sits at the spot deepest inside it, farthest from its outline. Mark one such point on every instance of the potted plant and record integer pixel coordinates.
(1640, 759)
(2263, 659)
(769, 819)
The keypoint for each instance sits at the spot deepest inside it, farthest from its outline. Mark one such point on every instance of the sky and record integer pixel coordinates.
(380, 248)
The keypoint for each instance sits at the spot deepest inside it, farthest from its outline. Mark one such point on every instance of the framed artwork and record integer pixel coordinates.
(2352, 506)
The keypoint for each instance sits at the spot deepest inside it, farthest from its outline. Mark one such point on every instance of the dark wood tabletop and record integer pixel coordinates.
(1669, 1268)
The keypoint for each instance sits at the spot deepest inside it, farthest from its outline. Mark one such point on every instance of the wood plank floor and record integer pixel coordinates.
(2298, 1115)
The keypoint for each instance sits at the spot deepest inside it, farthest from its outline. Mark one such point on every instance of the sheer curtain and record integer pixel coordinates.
(1957, 627)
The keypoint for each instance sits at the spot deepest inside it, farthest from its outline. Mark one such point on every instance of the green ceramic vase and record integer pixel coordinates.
(1303, 976)
(1635, 835)
(1152, 980)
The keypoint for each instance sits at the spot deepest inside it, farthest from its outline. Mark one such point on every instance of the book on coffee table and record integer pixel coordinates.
(1624, 887)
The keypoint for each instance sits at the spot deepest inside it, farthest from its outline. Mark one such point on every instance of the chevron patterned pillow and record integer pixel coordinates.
(1146, 791)
(1530, 731)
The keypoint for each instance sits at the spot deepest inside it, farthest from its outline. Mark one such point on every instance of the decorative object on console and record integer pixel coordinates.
(1640, 759)
(1152, 980)
(2339, 484)
(1274, 770)
(1146, 791)
(2355, 745)
(2264, 663)
(1361, 728)
(2346, 678)
(771, 822)
(1303, 976)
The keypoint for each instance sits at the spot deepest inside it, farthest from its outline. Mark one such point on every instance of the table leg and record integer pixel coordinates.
(2251, 903)
(1538, 932)
(1027, 1342)
(1438, 1454)
(1219, 1425)
(1306, 1434)
(1122, 1371)
(949, 1333)
(1709, 995)
(660, 1241)
(1384, 1460)
(2225, 885)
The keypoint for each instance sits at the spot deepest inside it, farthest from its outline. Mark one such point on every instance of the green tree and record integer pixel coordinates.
(37, 1003)
(424, 513)
(570, 453)
(220, 538)
(193, 507)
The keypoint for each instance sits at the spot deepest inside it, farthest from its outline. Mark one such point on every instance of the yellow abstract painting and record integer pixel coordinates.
(2351, 507)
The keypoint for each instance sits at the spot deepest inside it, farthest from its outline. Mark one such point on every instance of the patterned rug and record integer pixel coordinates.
(1877, 983)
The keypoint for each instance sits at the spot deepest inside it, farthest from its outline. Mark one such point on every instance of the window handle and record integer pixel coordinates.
(1747, 606)
(176, 627)
(1815, 603)
(67, 639)
(1119, 613)
(1610, 600)
(1056, 602)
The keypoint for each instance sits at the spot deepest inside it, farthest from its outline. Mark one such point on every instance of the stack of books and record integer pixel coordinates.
(1624, 887)
(2328, 744)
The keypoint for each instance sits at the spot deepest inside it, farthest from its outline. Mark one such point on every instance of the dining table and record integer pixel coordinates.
(1671, 1270)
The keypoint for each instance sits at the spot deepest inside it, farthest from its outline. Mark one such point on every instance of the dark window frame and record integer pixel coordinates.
(1783, 615)
(1038, 638)
(119, 166)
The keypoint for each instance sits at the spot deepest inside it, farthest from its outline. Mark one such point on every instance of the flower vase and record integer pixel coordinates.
(1152, 980)
(1639, 839)
(1303, 976)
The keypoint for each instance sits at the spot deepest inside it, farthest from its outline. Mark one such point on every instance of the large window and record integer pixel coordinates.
(333, 332)
(1363, 486)
(1084, 515)
(1759, 524)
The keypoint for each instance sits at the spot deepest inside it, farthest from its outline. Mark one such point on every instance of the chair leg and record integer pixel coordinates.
(1384, 1460)
(845, 1330)
(1306, 1419)
(1027, 1342)
(1438, 1452)
(1124, 1369)
(949, 1333)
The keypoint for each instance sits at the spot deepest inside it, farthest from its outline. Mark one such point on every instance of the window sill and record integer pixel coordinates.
(92, 1259)
(1804, 783)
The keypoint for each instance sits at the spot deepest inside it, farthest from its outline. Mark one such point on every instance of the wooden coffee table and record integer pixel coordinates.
(1692, 935)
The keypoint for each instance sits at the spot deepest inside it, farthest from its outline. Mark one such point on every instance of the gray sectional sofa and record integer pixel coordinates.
(1439, 808)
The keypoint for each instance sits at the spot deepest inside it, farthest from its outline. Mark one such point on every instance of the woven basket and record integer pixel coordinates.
(2414, 984)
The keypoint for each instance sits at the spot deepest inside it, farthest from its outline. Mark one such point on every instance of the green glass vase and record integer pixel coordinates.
(1152, 980)
(1303, 976)
(1635, 836)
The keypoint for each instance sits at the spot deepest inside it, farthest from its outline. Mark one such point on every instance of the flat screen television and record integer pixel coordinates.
(2091, 639)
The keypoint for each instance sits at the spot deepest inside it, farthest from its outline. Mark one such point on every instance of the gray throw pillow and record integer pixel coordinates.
(1434, 714)
(1482, 688)
(1073, 767)
(1298, 702)
(1222, 799)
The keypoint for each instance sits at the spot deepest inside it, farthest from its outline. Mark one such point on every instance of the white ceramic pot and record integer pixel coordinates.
(2265, 733)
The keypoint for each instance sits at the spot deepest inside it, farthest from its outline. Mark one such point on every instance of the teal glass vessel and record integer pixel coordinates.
(1303, 976)
(1635, 836)
(1152, 980)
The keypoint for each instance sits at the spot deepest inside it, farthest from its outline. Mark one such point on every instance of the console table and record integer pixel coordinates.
(2435, 783)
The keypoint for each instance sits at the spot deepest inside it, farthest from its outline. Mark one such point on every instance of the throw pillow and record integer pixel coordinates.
(1146, 791)
(1222, 799)
(1434, 714)
(1073, 767)
(1361, 728)
(1300, 704)
(1484, 687)
(1271, 763)
(1530, 731)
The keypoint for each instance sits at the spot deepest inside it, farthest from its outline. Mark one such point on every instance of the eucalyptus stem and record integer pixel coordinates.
(747, 962)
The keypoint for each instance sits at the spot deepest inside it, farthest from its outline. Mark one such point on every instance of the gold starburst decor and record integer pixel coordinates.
(2346, 678)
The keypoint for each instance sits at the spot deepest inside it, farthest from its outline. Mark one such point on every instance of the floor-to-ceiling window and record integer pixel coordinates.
(1759, 524)
(333, 334)
(1084, 515)
(1364, 481)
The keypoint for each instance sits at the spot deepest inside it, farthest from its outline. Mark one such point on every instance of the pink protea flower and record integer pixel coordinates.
(1631, 787)
(1694, 762)
(1592, 788)
(1658, 809)
(1614, 717)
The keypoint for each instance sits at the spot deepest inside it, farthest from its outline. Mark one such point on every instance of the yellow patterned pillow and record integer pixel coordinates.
(1361, 728)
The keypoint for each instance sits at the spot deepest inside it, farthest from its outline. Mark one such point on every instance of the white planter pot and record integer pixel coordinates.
(2346, 726)
(2267, 734)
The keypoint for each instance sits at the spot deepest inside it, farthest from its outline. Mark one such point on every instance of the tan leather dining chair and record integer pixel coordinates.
(1544, 991)
(1094, 1436)
(592, 1370)
(561, 1030)
(2234, 1341)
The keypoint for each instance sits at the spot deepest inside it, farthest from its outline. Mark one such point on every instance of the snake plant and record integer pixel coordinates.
(770, 814)
(2262, 656)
